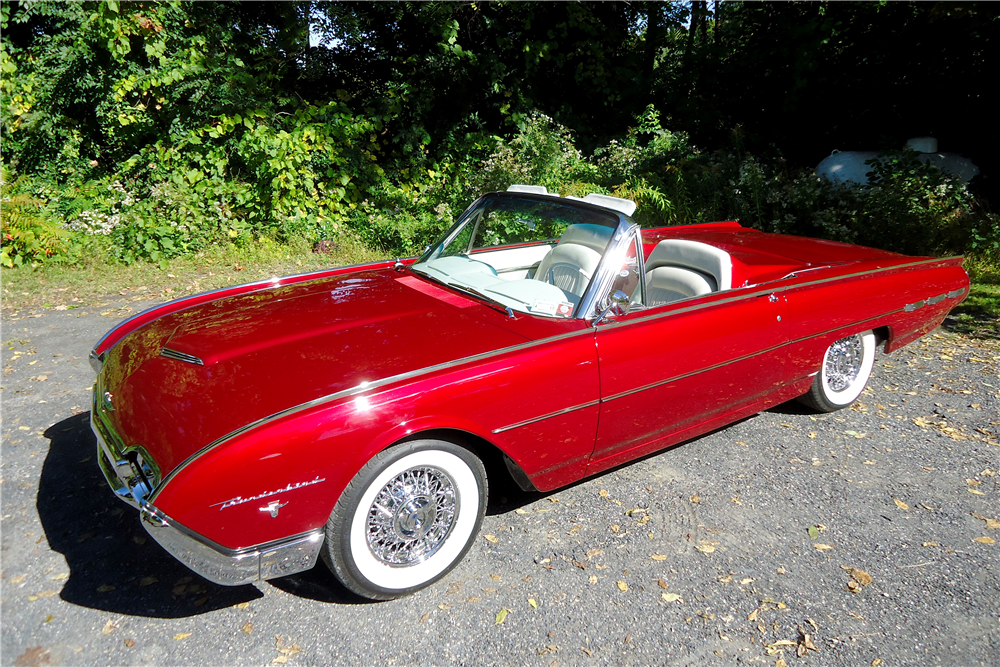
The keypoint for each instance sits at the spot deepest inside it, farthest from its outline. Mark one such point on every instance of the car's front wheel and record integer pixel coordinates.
(406, 519)
(847, 365)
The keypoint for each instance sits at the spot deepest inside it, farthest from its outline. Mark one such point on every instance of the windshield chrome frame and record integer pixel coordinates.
(600, 285)
(603, 276)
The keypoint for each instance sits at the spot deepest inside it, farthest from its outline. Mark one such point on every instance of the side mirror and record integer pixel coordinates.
(618, 304)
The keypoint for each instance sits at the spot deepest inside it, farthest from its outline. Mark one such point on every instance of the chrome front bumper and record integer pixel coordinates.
(131, 481)
(232, 567)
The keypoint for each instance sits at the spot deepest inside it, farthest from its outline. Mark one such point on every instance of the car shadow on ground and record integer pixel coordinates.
(114, 565)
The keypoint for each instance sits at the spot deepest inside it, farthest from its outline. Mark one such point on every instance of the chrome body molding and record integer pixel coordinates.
(181, 356)
(546, 416)
(931, 300)
(232, 567)
(762, 289)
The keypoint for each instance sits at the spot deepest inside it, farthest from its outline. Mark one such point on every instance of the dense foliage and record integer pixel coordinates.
(147, 130)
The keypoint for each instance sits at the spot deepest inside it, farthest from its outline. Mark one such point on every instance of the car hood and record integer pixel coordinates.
(193, 376)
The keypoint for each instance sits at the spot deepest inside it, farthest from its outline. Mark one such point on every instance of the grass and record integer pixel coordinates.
(97, 280)
(979, 315)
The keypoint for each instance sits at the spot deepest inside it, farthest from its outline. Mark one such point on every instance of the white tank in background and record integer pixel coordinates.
(849, 166)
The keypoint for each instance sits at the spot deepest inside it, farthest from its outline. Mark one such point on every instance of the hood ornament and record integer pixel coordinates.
(107, 401)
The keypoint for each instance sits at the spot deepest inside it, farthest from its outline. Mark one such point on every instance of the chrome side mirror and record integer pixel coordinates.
(618, 304)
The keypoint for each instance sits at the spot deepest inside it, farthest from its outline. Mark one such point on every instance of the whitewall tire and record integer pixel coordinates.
(847, 365)
(406, 519)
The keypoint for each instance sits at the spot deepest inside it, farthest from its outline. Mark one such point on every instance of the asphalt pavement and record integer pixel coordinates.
(863, 537)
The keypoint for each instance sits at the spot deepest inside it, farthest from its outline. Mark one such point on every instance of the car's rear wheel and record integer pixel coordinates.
(406, 519)
(847, 365)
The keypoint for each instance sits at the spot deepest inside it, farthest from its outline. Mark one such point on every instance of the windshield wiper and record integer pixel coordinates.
(490, 301)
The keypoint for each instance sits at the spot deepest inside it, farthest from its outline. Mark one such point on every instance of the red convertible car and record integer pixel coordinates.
(347, 414)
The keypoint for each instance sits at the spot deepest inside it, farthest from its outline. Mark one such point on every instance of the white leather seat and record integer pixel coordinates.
(670, 283)
(679, 269)
(572, 262)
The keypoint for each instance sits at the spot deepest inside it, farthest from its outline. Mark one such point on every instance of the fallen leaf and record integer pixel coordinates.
(16, 579)
(661, 583)
(531, 601)
(984, 540)
(148, 581)
(973, 482)
(425, 617)
(495, 577)
(752, 616)
(705, 548)
(603, 493)
(927, 507)
(108, 628)
(726, 579)
(588, 652)
(859, 576)
(622, 586)
(853, 586)
(182, 635)
(129, 643)
(243, 605)
(930, 544)
(280, 660)
(247, 628)
(594, 552)
(658, 557)
(744, 582)
(501, 616)
(900, 504)
(491, 538)
(876, 662)
(59, 577)
(708, 616)
(671, 597)
(104, 588)
(780, 662)
(696, 499)
(444, 607)
(976, 491)
(822, 547)
(593, 579)
(813, 532)
(520, 510)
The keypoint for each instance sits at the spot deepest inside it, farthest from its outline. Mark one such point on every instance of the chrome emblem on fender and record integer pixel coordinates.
(239, 500)
(273, 508)
(107, 401)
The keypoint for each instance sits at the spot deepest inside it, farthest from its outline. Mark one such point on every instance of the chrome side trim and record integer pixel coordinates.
(180, 356)
(956, 292)
(548, 416)
(257, 283)
(916, 305)
(232, 567)
(682, 376)
(361, 388)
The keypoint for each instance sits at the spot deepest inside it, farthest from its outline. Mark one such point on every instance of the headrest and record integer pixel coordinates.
(595, 237)
(693, 255)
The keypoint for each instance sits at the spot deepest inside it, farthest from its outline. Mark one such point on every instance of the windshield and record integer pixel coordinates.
(533, 255)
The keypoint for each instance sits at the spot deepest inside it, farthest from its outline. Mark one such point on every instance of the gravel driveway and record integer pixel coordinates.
(865, 537)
